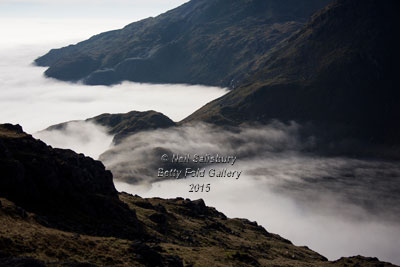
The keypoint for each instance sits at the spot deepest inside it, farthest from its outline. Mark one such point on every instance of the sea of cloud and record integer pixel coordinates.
(337, 206)
(35, 102)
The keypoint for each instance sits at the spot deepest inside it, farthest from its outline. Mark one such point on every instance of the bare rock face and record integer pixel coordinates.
(65, 189)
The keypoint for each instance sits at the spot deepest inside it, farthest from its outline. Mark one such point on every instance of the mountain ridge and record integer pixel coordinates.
(201, 42)
(121, 125)
(336, 73)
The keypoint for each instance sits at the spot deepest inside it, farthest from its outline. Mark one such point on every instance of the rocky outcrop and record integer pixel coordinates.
(66, 190)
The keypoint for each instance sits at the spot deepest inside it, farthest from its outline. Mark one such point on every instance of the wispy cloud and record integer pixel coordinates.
(337, 206)
(82, 137)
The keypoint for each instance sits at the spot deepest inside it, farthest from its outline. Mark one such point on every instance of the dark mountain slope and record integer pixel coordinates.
(212, 42)
(337, 72)
(122, 125)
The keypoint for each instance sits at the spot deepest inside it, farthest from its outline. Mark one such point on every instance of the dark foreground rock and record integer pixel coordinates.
(66, 190)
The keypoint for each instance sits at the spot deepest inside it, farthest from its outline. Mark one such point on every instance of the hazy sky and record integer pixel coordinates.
(104, 9)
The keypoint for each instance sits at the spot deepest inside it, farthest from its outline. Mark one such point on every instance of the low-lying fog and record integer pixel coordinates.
(337, 206)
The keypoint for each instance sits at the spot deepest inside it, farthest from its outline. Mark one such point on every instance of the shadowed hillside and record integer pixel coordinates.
(211, 42)
(337, 74)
